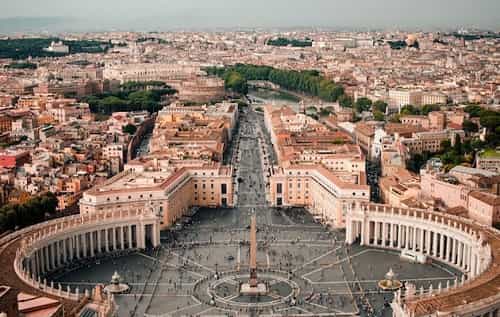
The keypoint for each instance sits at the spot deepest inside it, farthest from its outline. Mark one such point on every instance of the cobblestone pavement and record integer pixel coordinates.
(328, 277)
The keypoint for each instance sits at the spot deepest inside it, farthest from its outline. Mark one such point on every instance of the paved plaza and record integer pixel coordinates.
(307, 267)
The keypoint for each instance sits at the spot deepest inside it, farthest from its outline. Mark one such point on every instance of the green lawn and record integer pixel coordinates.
(491, 153)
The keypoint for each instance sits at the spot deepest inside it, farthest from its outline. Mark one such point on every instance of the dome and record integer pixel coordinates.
(411, 39)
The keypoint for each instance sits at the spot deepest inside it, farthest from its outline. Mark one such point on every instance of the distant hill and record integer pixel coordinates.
(32, 24)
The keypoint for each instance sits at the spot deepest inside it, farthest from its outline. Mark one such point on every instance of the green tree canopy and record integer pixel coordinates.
(345, 101)
(362, 104)
(409, 110)
(470, 126)
(378, 116)
(426, 109)
(130, 129)
(35, 210)
(380, 106)
(308, 82)
(235, 82)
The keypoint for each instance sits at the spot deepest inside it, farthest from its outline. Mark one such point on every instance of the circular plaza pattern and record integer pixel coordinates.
(297, 257)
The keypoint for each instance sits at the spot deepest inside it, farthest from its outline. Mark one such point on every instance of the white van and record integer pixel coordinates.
(414, 257)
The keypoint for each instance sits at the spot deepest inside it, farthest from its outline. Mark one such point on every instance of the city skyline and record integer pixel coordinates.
(27, 15)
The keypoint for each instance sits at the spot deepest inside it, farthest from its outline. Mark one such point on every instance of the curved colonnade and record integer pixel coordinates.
(461, 243)
(53, 245)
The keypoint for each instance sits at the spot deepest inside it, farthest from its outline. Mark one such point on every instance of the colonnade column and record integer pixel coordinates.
(53, 255)
(46, 258)
(106, 239)
(384, 234)
(454, 252)
(421, 246)
(400, 236)
(99, 246)
(392, 226)
(473, 264)
(84, 236)
(77, 242)
(428, 242)
(466, 257)
(441, 247)
(65, 250)
(113, 238)
(435, 244)
(407, 236)
(92, 251)
(122, 245)
(460, 261)
(38, 262)
(140, 236)
(130, 244)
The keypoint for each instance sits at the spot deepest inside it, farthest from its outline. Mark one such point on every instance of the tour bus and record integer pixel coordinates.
(414, 257)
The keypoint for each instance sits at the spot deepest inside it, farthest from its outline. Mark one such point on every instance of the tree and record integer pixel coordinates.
(469, 126)
(457, 147)
(429, 108)
(308, 82)
(235, 82)
(445, 145)
(14, 216)
(473, 110)
(490, 121)
(362, 104)
(409, 110)
(378, 116)
(345, 101)
(379, 105)
(130, 129)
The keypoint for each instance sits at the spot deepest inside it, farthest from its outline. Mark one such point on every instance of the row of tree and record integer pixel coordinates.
(281, 41)
(21, 65)
(34, 47)
(35, 210)
(307, 82)
(128, 100)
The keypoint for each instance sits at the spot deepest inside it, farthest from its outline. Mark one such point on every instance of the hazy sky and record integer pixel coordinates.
(164, 14)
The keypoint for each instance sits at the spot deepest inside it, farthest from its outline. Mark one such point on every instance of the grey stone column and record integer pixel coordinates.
(122, 242)
(92, 251)
(77, 245)
(130, 244)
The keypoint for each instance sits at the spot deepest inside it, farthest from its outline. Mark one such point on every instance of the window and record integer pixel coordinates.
(195, 186)
(223, 188)
(212, 186)
(279, 188)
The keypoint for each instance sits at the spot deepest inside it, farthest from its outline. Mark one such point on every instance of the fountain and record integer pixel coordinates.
(390, 283)
(116, 287)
